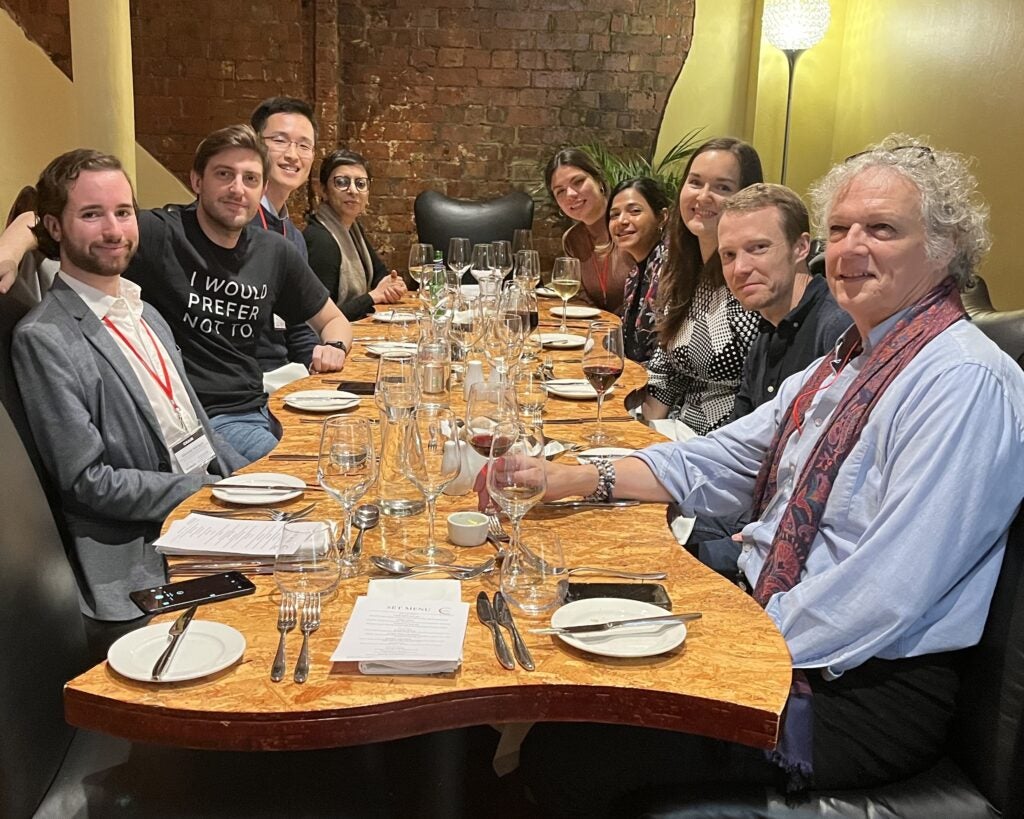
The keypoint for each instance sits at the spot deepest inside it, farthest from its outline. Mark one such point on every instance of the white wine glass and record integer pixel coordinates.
(346, 469)
(307, 558)
(565, 281)
(459, 257)
(421, 265)
(603, 360)
(432, 460)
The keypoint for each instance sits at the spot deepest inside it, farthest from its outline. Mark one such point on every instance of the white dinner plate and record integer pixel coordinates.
(382, 347)
(547, 293)
(255, 497)
(576, 311)
(562, 341)
(205, 648)
(611, 452)
(321, 400)
(631, 641)
(394, 316)
(573, 388)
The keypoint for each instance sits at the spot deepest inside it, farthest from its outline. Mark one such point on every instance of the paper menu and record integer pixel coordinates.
(206, 535)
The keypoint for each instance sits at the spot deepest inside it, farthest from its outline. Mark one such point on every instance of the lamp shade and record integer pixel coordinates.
(794, 25)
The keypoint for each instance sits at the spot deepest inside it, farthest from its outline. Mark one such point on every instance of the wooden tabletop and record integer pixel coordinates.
(729, 679)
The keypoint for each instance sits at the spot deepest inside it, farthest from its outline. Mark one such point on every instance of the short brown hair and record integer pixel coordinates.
(234, 136)
(792, 211)
(54, 183)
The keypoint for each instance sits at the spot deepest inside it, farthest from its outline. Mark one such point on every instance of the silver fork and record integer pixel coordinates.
(285, 622)
(494, 529)
(310, 623)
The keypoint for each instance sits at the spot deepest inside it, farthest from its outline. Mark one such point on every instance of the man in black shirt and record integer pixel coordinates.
(763, 240)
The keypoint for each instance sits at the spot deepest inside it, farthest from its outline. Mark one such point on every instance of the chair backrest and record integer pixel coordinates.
(987, 739)
(42, 641)
(440, 218)
(1004, 327)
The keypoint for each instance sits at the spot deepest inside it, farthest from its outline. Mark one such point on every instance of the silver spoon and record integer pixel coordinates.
(366, 516)
(392, 565)
(468, 574)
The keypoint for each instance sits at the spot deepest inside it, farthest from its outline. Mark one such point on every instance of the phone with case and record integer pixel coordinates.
(184, 593)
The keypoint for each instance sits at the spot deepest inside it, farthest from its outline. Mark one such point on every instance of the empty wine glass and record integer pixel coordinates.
(482, 263)
(519, 298)
(528, 268)
(503, 257)
(565, 281)
(421, 264)
(307, 558)
(459, 257)
(531, 396)
(396, 391)
(532, 577)
(346, 469)
(503, 341)
(603, 360)
(467, 324)
(432, 461)
(516, 473)
(522, 239)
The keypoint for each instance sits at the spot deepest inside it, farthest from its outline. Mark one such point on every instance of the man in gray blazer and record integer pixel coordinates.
(117, 424)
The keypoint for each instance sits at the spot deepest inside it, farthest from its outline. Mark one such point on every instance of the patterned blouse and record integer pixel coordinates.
(638, 316)
(699, 376)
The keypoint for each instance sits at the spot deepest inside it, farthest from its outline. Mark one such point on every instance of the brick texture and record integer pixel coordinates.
(470, 97)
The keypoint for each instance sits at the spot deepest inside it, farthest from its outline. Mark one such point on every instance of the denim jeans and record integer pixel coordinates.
(250, 434)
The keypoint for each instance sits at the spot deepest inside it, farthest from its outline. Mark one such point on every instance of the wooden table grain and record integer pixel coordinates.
(729, 679)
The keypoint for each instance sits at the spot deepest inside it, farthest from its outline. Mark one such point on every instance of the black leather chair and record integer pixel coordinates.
(1004, 327)
(440, 218)
(982, 775)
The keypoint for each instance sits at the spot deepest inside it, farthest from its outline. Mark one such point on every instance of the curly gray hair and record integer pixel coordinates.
(954, 215)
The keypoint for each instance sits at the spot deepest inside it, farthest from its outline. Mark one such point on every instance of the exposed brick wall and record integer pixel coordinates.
(46, 23)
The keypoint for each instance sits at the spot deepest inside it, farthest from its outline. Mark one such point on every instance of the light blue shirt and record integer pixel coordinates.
(913, 533)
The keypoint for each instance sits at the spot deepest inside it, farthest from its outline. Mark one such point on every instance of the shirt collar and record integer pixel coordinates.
(269, 208)
(128, 296)
(813, 293)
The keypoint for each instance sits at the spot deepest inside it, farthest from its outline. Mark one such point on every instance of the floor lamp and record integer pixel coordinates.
(793, 26)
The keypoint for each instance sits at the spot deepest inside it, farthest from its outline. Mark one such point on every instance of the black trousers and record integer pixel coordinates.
(881, 722)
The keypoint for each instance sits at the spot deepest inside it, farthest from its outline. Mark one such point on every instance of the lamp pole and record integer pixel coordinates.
(792, 55)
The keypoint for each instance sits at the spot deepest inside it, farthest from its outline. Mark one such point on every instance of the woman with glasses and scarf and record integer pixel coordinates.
(339, 251)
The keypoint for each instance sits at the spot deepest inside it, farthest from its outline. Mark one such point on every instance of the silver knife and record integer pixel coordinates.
(504, 615)
(231, 487)
(486, 615)
(592, 627)
(582, 504)
(176, 632)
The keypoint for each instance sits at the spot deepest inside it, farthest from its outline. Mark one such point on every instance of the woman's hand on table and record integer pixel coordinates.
(389, 290)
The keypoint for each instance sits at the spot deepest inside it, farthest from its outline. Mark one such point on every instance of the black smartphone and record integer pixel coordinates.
(184, 593)
(357, 387)
(644, 592)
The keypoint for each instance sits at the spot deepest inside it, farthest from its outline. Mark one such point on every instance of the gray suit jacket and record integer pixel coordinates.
(101, 442)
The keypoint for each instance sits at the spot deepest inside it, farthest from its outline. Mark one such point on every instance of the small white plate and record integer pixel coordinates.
(394, 316)
(383, 347)
(321, 400)
(575, 311)
(206, 648)
(547, 293)
(573, 388)
(632, 641)
(611, 452)
(562, 341)
(254, 497)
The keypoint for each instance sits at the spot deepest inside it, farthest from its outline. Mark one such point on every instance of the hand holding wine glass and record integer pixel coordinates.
(565, 281)
(516, 476)
(603, 360)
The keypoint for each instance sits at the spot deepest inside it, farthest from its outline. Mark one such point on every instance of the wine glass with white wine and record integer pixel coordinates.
(565, 281)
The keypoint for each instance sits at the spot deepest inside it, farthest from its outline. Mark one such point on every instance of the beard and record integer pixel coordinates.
(101, 265)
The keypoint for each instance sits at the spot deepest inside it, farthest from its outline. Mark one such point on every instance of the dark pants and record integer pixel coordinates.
(881, 722)
(711, 542)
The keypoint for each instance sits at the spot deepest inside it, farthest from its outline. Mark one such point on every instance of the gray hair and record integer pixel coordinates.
(954, 215)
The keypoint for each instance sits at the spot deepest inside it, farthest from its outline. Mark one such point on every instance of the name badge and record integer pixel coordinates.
(193, 452)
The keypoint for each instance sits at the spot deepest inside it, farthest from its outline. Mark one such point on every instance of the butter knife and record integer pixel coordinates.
(588, 628)
(486, 615)
(177, 631)
(504, 616)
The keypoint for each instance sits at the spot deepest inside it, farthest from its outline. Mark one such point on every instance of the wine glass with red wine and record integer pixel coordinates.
(488, 405)
(603, 360)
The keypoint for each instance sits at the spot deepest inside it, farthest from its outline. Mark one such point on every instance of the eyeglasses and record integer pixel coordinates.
(343, 183)
(280, 144)
(914, 151)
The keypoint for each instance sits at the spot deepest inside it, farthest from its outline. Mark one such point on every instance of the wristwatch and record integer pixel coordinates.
(338, 344)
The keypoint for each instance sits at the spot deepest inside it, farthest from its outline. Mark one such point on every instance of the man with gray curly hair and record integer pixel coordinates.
(875, 576)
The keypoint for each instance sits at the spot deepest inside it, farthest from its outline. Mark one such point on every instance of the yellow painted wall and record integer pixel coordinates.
(38, 102)
(950, 70)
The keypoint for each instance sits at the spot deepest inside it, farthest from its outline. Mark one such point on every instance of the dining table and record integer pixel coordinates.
(729, 679)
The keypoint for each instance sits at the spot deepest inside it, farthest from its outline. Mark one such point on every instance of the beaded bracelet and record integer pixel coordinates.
(605, 481)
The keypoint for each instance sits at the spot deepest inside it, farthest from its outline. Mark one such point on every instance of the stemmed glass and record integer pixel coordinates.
(516, 473)
(603, 360)
(531, 396)
(432, 461)
(482, 263)
(307, 558)
(522, 239)
(467, 325)
(346, 469)
(488, 405)
(528, 268)
(503, 341)
(421, 266)
(519, 298)
(396, 391)
(565, 281)
(459, 257)
(503, 257)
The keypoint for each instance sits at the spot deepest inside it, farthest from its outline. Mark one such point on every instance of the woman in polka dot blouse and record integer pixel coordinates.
(703, 332)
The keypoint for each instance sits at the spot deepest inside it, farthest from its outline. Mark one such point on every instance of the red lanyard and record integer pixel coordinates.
(165, 384)
(798, 414)
(263, 219)
(602, 275)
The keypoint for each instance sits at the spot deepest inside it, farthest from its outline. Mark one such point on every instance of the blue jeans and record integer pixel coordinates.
(250, 434)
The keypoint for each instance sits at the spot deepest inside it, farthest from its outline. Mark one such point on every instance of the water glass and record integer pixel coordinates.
(307, 559)
(396, 392)
(532, 576)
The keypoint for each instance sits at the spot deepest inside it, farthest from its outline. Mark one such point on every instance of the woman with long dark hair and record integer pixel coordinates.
(703, 332)
(580, 190)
